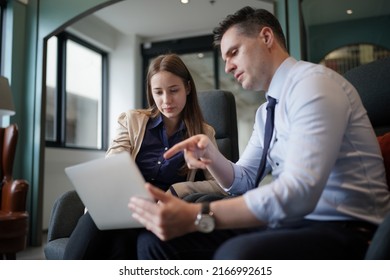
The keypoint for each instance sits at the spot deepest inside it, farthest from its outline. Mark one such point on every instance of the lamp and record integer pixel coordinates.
(6, 104)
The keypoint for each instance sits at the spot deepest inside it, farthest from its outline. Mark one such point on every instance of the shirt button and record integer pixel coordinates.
(277, 164)
(159, 162)
(166, 148)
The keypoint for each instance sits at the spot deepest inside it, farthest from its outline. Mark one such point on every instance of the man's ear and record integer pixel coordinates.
(267, 35)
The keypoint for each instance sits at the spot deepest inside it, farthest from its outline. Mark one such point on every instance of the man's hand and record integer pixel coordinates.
(196, 151)
(169, 218)
(200, 153)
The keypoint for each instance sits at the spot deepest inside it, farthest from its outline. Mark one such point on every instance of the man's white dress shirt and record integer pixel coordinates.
(325, 159)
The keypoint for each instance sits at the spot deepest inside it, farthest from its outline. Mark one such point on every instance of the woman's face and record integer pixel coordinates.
(170, 94)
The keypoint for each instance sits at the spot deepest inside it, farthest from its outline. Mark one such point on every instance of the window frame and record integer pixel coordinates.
(61, 94)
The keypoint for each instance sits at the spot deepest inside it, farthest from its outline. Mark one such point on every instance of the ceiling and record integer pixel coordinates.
(201, 16)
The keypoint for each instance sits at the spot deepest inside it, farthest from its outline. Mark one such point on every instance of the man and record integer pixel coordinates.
(328, 191)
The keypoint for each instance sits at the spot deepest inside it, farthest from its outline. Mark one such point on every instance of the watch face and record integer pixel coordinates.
(205, 224)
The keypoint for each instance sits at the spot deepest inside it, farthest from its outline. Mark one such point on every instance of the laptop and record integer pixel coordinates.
(105, 186)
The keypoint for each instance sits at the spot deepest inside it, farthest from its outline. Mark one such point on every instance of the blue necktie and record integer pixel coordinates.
(269, 128)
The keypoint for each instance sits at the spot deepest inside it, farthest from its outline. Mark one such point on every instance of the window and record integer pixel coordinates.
(75, 93)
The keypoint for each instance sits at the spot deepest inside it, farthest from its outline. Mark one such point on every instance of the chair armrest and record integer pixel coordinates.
(65, 214)
(14, 195)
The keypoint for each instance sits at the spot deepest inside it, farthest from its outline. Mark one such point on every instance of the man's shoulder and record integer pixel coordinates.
(308, 66)
(304, 69)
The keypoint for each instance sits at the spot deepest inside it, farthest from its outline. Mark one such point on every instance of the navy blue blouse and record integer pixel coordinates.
(159, 171)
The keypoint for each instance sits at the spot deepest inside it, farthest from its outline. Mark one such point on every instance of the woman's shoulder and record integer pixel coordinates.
(135, 114)
(134, 118)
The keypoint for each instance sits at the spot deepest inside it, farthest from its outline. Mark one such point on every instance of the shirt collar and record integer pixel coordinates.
(158, 121)
(155, 122)
(277, 82)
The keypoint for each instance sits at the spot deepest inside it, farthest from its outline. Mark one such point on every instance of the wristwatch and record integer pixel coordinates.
(205, 221)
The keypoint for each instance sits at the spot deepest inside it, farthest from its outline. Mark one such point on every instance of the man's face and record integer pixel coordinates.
(247, 58)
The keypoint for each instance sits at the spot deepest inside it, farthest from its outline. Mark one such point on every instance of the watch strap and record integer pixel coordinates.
(206, 208)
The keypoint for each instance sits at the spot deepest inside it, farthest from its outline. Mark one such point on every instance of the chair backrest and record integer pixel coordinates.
(219, 110)
(372, 81)
(8, 140)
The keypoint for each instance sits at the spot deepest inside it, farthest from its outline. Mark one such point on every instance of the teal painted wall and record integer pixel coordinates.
(288, 14)
(294, 23)
(14, 69)
(31, 24)
(280, 12)
(325, 38)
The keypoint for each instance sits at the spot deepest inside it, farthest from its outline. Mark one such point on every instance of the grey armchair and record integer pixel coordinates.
(67, 210)
(219, 109)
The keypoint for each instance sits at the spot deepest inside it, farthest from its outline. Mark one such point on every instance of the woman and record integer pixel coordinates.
(173, 114)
